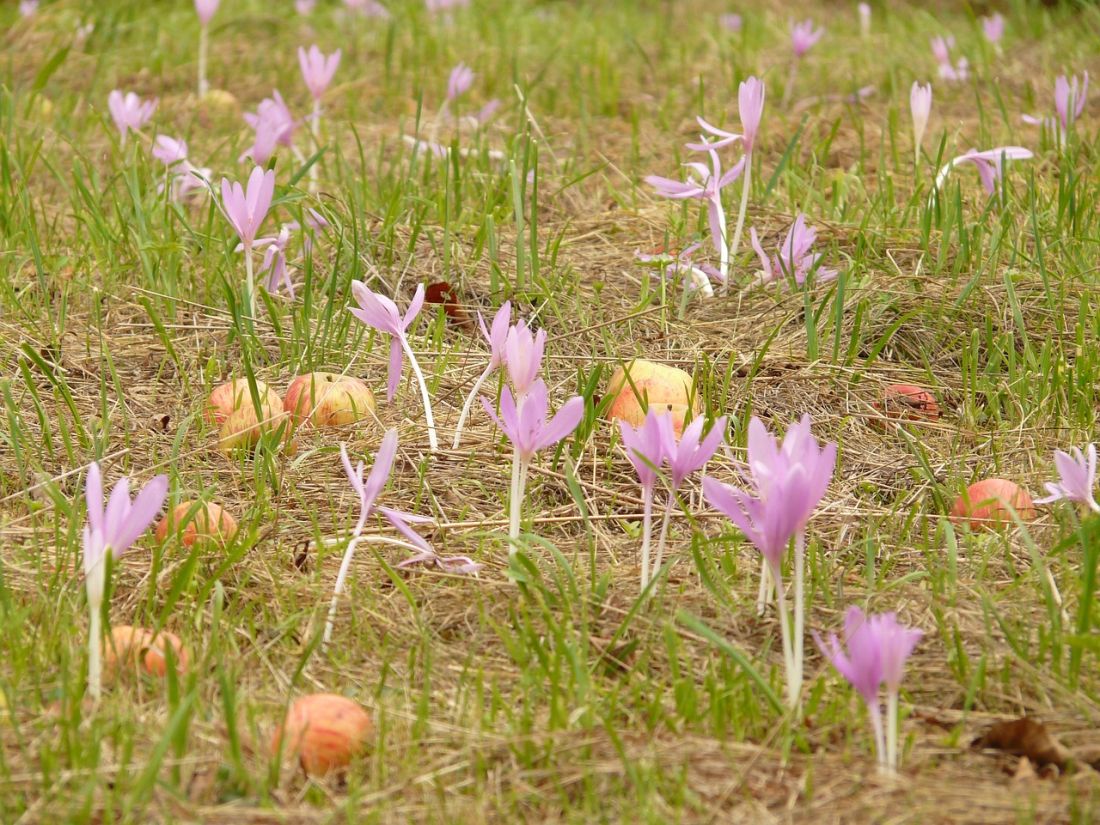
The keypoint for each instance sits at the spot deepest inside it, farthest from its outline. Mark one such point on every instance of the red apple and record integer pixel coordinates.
(986, 504)
(242, 428)
(207, 522)
(665, 388)
(324, 731)
(328, 399)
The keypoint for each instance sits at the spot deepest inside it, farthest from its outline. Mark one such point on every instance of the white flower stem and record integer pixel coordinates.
(723, 241)
(664, 536)
(345, 566)
(790, 84)
(433, 441)
(470, 403)
(892, 731)
(250, 284)
(515, 498)
(315, 129)
(746, 186)
(799, 602)
(647, 531)
(764, 594)
(94, 583)
(875, 712)
(204, 87)
(785, 629)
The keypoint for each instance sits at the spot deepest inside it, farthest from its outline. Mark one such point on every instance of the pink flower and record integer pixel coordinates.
(169, 150)
(941, 50)
(693, 450)
(459, 82)
(304, 7)
(497, 335)
(434, 6)
(317, 69)
(1069, 99)
(114, 529)
(804, 36)
(380, 313)
(730, 22)
(246, 208)
(274, 111)
(795, 257)
(368, 8)
(28, 7)
(206, 10)
(526, 425)
(993, 27)
(523, 356)
(1076, 478)
(920, 106)
(129, 111)
(988, 164)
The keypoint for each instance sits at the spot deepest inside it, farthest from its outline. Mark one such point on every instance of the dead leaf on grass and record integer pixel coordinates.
(1025, 737)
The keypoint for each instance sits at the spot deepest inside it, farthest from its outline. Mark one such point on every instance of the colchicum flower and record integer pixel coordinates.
(878, 647)
(646, 448)
(206, 10)
(246, 209)
(783, 488)
(1076, 478)
(988, 164)
(941, 50)
(111, 530)
(705, 185)
(129, 112)
(526, 426)
(993, 27)
(497, 337)
(1069, 102)
(920, 105)
(795, 257)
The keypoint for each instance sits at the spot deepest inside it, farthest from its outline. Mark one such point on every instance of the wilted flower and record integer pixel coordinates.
(988, 164)
(795, 257)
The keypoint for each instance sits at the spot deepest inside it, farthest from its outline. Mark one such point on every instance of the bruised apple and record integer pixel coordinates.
(231, 396)
(194, 521)
(986, 503)
(908, 402)
(323, 731)
(664, 388)
(328, 399)
(130, 648)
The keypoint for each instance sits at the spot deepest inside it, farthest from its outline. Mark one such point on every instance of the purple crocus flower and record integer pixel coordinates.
(246, 208)
(795, 257)
(497, 337)
(705, 185)
(111, 530)
(368, 8)
(896, 643)
(646, 448)
(804, 36)
(941, 50)
(274, 261)
(1076, 478)
(730, 22)
(527, 428)
(129, 111)
(920, 106)
(317, 69)
(206, 10)
(367, 491)
(693, 450)
(698, 277)
(1069, 99)
(523, 357)
(988, 164)
(784, 486)
(185, 178)
(274, 112)
(459, 81)
(169, 150)
(263, 144)
(993, 27)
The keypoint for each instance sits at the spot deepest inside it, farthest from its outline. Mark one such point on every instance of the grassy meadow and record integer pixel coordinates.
(544, 688)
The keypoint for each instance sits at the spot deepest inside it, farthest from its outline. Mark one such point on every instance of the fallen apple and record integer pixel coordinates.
(328, 399)
(193, 521)
(987, 503)
(907, 402)
(128, 647)
(231, 396)
(663, 388)
(323, 731)
(243, 428)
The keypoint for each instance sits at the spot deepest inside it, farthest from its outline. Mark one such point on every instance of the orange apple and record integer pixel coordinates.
(664, 388)
(986, 504)
(231, 396)
(207, 522)
(126, 647)
(328, 399)
(323, 731)
(242, 428)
